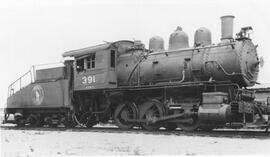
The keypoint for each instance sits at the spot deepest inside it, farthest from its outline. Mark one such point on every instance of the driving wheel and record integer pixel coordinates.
(125, 112)
(150, 111)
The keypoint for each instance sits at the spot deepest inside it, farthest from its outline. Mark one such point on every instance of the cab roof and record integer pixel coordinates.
(88, 50)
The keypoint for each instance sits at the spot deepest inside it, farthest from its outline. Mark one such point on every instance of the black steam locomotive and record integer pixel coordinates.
(198, 87)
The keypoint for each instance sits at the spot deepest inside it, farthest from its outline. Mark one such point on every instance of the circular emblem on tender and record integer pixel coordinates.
(37, 95)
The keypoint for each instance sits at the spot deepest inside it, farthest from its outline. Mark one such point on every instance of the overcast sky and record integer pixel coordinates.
(35, 32)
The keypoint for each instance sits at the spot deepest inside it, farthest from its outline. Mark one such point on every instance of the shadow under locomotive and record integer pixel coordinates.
(200, 87)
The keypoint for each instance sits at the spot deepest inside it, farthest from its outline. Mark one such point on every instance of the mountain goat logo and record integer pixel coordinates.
(37, 95)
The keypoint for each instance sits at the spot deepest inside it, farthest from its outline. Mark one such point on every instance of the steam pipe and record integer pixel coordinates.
(232, 74)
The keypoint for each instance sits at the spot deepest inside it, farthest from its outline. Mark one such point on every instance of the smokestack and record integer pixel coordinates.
(227, 27)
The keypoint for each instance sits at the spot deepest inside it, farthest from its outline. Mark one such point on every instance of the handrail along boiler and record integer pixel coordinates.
(198, 87)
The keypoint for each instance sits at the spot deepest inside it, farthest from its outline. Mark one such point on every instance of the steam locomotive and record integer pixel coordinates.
(199, 87)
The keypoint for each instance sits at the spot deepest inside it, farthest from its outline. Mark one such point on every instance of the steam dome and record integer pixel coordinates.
(202, 37)
(178, 39)
(156, 43)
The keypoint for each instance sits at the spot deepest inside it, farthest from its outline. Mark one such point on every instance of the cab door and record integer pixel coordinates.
(112, 75)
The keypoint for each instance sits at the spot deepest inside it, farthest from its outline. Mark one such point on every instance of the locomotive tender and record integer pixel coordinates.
(198, 87)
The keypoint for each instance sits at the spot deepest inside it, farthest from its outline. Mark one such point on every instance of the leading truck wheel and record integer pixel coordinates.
(125, 112)
(150, 111)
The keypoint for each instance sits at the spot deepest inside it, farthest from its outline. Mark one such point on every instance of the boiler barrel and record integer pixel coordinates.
(220, 63)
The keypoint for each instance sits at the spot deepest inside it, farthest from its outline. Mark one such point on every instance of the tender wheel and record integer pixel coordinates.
(150, 111)
(49, 121)
(69, 124)
(36, 121)
(53, 125)
(20, 121)
(123, 113)
(40, 122)
(6, 117)
(192, 126)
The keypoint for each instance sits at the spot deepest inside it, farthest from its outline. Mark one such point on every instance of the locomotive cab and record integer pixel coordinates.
(96, 67)
(95, 70)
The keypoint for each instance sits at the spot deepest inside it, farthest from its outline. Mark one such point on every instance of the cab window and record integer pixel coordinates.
(88, 62)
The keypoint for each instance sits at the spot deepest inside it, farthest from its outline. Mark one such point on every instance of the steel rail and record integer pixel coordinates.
(218, 133)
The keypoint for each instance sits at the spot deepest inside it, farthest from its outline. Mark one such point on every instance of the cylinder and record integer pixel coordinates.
(156, 43)
(214, 114)
(227, 27)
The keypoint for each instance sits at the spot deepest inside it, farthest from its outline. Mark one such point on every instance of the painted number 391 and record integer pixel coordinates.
(88, 79)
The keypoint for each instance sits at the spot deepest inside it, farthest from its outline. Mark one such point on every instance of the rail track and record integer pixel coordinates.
(227, 133)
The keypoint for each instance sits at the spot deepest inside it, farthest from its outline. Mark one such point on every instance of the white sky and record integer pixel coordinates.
(35, 32)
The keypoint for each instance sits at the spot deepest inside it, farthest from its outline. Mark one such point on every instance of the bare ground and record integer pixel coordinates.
(60, 143)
